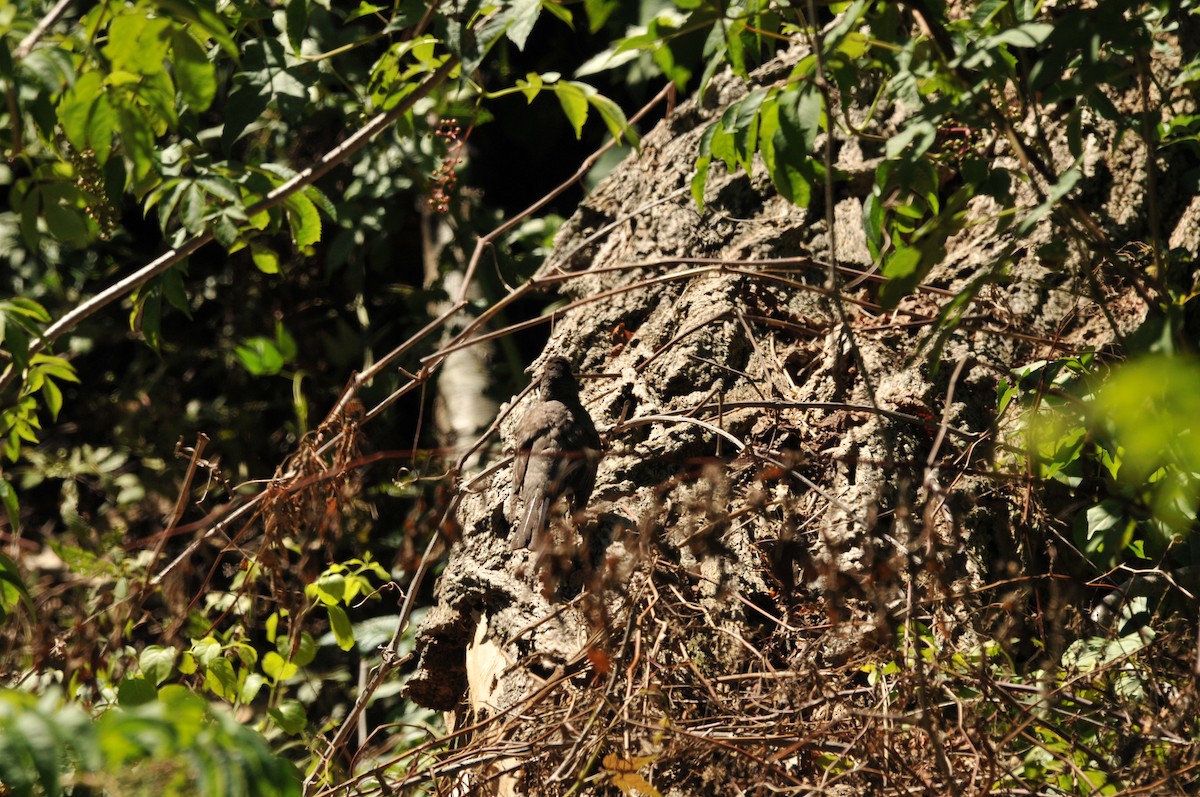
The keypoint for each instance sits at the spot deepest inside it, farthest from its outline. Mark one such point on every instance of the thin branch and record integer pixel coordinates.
(29, 42)
(431, 362)
(579, 174)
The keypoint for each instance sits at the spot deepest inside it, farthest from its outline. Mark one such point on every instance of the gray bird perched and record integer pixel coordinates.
(557, 451)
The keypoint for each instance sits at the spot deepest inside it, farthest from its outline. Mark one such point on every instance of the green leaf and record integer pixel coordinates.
(27, 308)
(220, 187)
(157, 663)
(194, 74)
(734, 44)
(272, 627)
(329, 589)
(920, 130)
(1005, 393)
(598, 12)
(788, 129)
(12, 507)
(265, 258)
(12, 586)
(42, 747)
(1030, 34)
(305, 652)
(135, 692)
(226, 231)
(1058, 451)
(343, 632)
(560, 12)
(206, 650)
(605, 60)
(247, 654)
(364, 9)
(321, 201)
(740, 120)
(1103, 531)
(276, 668)
(699, 180)
(244, 108)
(297, 22)
(614, 118)
(285, 342)
(53, 397)
(138, 43)
(250, 688)
(155, 98)
(574, 100)
(146, 317)
(530, 86)
(221, 679)
(61, 212)
(304, 220)
(12, 446)
(192, 209)
(55, 366)
(986, 10)
(88, 116)
(289, 716)
(260, 357)
(137, 140)
(903, 271)
(202, 17)
(174, 290)
(848, 21)
(799, 120)
(520, 17)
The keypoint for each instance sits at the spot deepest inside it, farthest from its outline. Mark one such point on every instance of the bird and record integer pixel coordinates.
(557, 452)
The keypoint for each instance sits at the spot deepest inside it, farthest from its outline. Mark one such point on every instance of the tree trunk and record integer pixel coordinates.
(791, 473)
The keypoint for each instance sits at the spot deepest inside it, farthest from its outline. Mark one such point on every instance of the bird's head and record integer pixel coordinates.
(558, 382)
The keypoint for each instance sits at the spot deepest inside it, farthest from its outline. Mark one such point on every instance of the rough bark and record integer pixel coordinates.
(781, 456)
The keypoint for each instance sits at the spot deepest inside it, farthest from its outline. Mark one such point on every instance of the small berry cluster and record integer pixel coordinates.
(91, 184)
(957, 140)
(445, 177)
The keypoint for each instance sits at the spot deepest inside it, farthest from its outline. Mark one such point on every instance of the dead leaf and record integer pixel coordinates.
(624, 775)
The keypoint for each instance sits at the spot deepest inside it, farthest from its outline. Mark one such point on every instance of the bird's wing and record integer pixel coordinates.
(534, 436)
(534, 469)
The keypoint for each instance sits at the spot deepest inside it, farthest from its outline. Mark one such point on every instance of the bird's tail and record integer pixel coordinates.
(533, 522)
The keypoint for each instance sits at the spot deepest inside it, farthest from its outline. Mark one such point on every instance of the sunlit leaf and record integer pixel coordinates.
(53, 396)
(259, 356)
(194, 74)
(520, 17)
(265, 258)
(339, 623)
(574, 101)
(598, 11)
(221, 678)
(614, 119)
(206, 650)
(276, 668)
(88, 117)
(304, 220)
